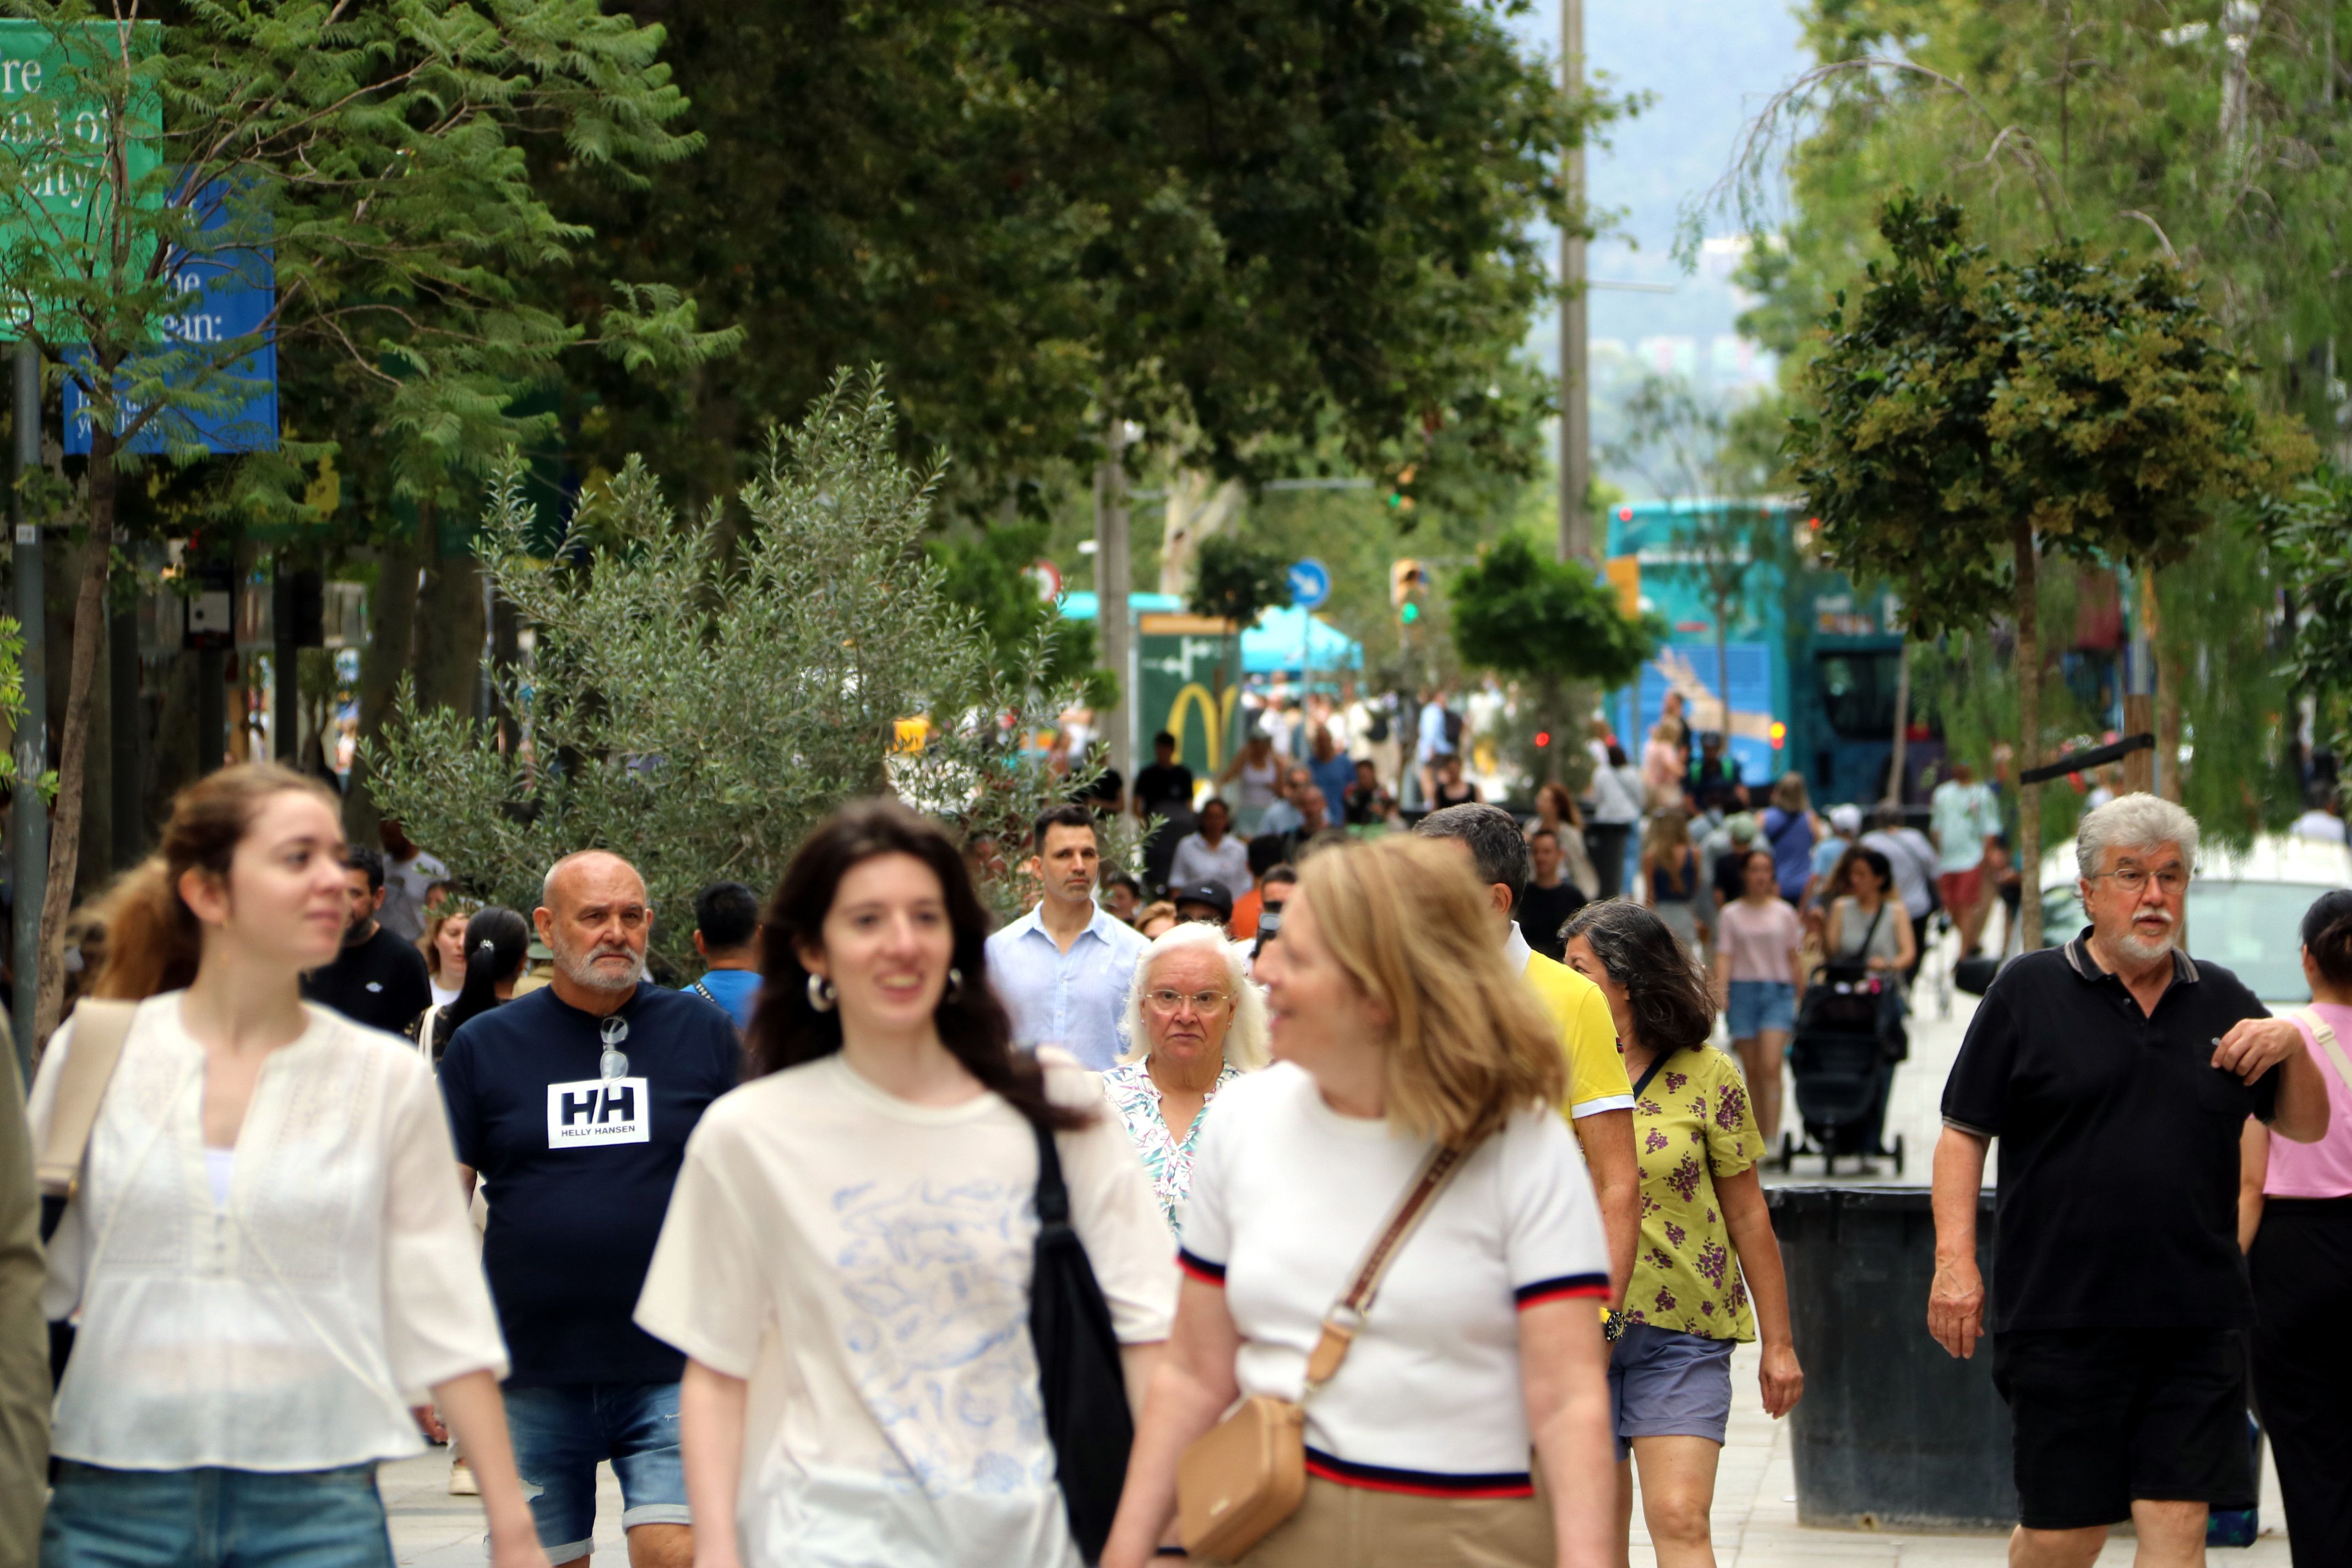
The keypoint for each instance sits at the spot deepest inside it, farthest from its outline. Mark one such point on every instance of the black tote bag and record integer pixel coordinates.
(1082, 1386)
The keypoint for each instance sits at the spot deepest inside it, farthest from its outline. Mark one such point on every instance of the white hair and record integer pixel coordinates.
(1246, 1037)
(2136, 821)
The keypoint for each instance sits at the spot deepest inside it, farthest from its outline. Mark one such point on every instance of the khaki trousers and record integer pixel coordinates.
(1360, 1528)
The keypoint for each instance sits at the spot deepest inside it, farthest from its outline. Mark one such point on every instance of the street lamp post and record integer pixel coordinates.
(1575, 407)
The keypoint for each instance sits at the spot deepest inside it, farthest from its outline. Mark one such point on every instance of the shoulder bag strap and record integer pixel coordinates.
(2326, 1038)
(99, 1029)
(1346, 1314)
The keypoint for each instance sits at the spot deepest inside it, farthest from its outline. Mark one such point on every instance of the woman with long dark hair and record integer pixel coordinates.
(849, 1247)
(497, 946)
(1707, 1273)
(266, 1250)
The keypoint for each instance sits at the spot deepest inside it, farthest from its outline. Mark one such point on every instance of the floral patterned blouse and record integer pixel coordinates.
(1691, 1124)
(1169, 1162)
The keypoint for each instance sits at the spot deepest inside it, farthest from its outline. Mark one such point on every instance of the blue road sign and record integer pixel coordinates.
(1311, 583)
(226, 294)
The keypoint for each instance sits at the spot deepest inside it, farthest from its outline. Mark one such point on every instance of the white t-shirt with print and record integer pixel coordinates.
(865, 1262)
(1286, 1195)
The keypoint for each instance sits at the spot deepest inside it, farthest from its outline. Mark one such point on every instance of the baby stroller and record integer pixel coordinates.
(1849, 1036)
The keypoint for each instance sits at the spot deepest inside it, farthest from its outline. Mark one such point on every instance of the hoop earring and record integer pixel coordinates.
(820, 993)
(955, 985)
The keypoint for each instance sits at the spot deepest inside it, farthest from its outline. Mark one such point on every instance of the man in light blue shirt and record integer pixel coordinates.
(1964, 821)
(1063, 969)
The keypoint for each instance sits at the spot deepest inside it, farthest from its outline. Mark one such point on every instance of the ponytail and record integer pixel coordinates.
(2330, 945)
(154, 940)
(498, 941)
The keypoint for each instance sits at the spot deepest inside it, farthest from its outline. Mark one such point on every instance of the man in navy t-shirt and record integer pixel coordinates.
(572, 1104)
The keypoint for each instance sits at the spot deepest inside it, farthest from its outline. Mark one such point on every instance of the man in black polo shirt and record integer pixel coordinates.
(2118, 1075)
(573, 1104)
(379, 978)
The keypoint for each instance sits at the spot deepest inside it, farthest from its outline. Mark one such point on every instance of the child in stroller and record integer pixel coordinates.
(1850, 1032)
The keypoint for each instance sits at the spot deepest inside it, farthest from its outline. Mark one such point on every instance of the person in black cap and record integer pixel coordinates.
(1210, 901)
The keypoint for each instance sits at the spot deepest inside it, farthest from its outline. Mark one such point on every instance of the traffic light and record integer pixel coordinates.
(1407, 582)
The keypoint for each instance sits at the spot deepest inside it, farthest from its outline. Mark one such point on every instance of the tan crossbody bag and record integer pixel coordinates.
(1248, 1473)
(99, 1029)
(2326, 1038)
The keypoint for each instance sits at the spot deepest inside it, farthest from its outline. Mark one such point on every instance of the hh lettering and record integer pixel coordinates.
(600, 1105)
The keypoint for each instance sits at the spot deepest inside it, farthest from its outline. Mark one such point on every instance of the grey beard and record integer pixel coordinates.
(2132, 947)
(580, 969)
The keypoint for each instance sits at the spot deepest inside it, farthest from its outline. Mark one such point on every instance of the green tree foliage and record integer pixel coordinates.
(1228, 223)
(1966, 415)
(1236, 577)
(374, 150)
(698, 711)
(987, 572)
(1552, 623)
(2308, 531)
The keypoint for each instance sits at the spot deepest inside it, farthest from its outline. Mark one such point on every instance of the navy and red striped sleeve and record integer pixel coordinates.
(1561, 1288)
(1199, 1267)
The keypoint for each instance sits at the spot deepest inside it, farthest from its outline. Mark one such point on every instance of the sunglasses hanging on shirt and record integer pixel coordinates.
(614, 1062)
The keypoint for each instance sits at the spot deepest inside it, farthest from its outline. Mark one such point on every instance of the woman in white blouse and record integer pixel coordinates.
(1212, 854)
(268, 1251)
(848, 1254)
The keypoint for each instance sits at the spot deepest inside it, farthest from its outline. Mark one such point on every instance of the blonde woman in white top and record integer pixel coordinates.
(268, 1252)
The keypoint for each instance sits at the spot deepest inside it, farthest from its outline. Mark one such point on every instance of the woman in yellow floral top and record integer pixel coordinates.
(1706, 1249)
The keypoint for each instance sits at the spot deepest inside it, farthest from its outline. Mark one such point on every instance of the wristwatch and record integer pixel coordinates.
(1613, 1325)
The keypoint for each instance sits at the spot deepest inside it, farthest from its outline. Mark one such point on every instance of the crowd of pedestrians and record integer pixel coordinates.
(905, 1235)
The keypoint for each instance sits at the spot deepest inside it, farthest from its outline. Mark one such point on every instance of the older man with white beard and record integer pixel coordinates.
(573, 1104)
(2119, 1074)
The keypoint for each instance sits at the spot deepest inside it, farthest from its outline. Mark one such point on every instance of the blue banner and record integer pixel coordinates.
(225, 294)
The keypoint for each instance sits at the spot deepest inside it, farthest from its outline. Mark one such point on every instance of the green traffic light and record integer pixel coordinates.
(1409, 613)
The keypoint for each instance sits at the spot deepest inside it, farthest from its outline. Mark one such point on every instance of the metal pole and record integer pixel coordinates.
(32, 856)
(1575, 391)
(1112, 576)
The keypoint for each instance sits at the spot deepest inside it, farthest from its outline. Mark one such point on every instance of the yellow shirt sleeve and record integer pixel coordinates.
(1588, 1035)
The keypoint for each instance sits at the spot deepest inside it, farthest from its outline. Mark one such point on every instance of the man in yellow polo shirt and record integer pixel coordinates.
(1600, 1096)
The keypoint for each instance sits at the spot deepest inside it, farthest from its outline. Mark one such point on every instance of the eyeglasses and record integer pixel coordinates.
(2172, 879)
(1170, 1000)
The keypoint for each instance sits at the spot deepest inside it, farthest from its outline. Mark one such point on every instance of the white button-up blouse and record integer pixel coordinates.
(291, 1327)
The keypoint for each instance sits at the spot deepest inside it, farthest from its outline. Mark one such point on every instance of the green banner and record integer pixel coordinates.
(61, 88)
(1188, 679)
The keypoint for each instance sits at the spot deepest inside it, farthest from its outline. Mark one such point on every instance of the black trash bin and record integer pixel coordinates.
(1893, 1432)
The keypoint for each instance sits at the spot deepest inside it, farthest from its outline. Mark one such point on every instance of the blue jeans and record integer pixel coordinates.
(1757, 1006)
(215, 1518)
(562, 1434)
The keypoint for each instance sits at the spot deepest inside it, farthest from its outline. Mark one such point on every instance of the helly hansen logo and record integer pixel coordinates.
(598, 1111)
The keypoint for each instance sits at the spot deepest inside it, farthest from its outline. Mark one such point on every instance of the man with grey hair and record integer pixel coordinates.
(1600, 1096)
(2118, 1073)
(573, 1104)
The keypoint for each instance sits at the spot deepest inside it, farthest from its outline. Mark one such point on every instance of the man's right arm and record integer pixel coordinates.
(1956, 1298)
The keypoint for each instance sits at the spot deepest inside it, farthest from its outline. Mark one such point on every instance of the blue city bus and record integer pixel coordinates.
(1813, 664)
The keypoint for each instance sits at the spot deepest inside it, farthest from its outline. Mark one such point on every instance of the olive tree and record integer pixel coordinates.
(697, 707)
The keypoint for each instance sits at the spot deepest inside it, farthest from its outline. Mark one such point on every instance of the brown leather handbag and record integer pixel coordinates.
(1248, 1473)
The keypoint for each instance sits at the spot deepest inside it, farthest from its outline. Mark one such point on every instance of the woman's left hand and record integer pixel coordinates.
(1782, 1381)
(520, 1550)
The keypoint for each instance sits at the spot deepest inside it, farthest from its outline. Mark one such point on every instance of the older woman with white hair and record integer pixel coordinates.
(1196, 1022)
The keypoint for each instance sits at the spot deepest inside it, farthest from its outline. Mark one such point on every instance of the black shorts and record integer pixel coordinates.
(2106, 1416)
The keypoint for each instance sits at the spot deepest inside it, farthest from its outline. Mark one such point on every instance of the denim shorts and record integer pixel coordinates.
(562, 1434)
(101, 1518)
(1761, 1004)
(1663, 1382)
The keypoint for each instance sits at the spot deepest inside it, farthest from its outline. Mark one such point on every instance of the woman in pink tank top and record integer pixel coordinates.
(2294, 1220)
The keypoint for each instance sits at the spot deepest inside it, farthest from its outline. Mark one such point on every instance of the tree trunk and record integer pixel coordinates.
(1197, 508)
(1723, 672)
(450, 634)
(391, 643)
(2029, 738)
(2168, 682)
(1897, 758)
(73, 748)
